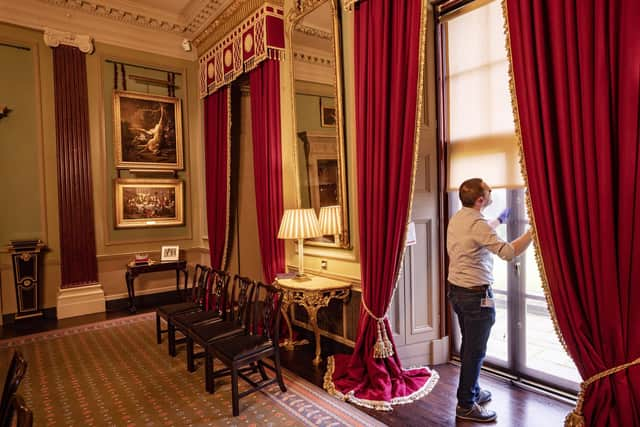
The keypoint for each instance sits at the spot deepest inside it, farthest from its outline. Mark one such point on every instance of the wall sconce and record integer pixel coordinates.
(299, 224)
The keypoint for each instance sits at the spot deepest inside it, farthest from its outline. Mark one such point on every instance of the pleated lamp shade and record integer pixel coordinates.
(331, 220)
(299, 224)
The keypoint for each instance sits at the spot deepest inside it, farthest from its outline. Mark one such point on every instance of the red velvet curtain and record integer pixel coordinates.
(576, 67)
(264, 82)
(217, 127)
(387, 52)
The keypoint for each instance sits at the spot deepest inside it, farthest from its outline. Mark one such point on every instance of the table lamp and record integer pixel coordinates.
(331, 221)
(299, 224)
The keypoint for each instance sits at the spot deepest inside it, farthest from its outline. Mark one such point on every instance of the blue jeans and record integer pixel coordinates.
(475, 325)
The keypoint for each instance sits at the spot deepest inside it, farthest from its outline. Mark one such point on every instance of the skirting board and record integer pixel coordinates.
(79, 301)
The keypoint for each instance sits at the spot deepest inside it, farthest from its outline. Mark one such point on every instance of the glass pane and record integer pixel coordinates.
(498, 344)
(544, 351)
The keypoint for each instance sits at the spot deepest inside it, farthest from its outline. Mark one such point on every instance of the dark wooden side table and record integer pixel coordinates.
(134, 270)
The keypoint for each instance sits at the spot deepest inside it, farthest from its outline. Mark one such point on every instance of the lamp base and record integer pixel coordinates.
(301, 277)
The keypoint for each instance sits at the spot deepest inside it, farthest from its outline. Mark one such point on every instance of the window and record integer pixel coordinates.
(482, 143)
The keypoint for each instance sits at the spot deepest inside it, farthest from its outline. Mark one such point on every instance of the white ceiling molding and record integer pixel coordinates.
(313, 32)
(39, 15)
(122, 15)
(54, 38)
(313, 67)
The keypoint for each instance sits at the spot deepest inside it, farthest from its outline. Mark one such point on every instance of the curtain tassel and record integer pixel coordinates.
(382, 348)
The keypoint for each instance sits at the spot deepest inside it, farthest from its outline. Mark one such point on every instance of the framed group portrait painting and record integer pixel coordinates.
(147, 131)
(148, 202)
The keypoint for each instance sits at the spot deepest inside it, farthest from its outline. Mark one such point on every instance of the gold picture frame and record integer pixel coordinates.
(328, 113)
(148, 202)
(147, 131)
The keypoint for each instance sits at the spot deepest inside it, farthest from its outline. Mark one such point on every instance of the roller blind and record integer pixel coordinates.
(480, 119)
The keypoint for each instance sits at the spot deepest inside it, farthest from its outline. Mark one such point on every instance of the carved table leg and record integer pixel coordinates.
(288, 343)
(130, 290)
(313, 320)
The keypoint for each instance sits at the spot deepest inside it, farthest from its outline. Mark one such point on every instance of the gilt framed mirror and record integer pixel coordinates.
(317, 80)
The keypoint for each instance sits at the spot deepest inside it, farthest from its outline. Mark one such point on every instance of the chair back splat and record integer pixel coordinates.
(15, 374)
(201, 284)
(217, 298)
(266, 312)
(242, 296)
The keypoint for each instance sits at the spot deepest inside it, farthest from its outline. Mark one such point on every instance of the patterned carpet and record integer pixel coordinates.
(113, 373)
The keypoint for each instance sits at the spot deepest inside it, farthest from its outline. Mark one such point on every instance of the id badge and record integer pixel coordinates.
(487, 301)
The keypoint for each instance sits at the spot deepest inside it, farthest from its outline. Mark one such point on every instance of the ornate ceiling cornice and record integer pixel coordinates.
(98, 9)
(233, 15)
(312, 59)
(205, 14)
(313, 32)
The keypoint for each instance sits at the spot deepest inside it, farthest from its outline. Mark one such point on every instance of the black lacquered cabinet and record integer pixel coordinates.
(26, 256)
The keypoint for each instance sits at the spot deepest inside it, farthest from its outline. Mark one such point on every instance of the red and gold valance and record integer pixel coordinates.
(258, 37)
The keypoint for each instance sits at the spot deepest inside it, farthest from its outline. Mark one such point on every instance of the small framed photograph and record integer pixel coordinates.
(170, 253)
(147, 131)
(328, 114)
(148, 202)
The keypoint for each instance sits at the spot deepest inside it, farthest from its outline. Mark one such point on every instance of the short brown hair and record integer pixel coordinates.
(470, 191)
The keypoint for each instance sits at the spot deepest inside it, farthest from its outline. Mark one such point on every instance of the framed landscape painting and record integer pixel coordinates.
(147, 131)
(148, 202)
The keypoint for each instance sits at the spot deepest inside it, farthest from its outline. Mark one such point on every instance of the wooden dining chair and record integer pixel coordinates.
(236, 324)
(253, 349)
(213, 310)
(18, 414)
(196, 301)
(15, 374)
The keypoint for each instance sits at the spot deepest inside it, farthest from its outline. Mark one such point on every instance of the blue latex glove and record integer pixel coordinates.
(504, 215)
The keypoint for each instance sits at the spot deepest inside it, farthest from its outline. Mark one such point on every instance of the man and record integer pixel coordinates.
(471, 243)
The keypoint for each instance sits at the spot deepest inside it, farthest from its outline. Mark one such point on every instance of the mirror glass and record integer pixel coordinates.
(314, 35)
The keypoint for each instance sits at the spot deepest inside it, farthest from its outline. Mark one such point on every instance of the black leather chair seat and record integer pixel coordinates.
(237, 348)
(168, 310)
(205, 333)
(183, 321)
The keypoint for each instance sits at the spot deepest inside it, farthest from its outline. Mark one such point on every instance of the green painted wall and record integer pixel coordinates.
(20, 189)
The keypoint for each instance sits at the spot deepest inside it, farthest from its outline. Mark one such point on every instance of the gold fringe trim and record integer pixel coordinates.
(378, 405)
(575, 418)
(227, 232)
(416, 140)
(349, 5)
(383, 347)
(523, 169)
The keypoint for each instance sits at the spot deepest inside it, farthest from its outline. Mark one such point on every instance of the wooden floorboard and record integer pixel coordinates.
(514, 405)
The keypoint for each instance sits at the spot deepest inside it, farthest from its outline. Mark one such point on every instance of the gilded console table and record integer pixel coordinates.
(312, 293)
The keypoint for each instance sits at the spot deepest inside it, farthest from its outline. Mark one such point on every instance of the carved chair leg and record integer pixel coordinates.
(209, 381)
(190, 365)
(234, 391)
(171, 332)
(276, 359)
(158, 330)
